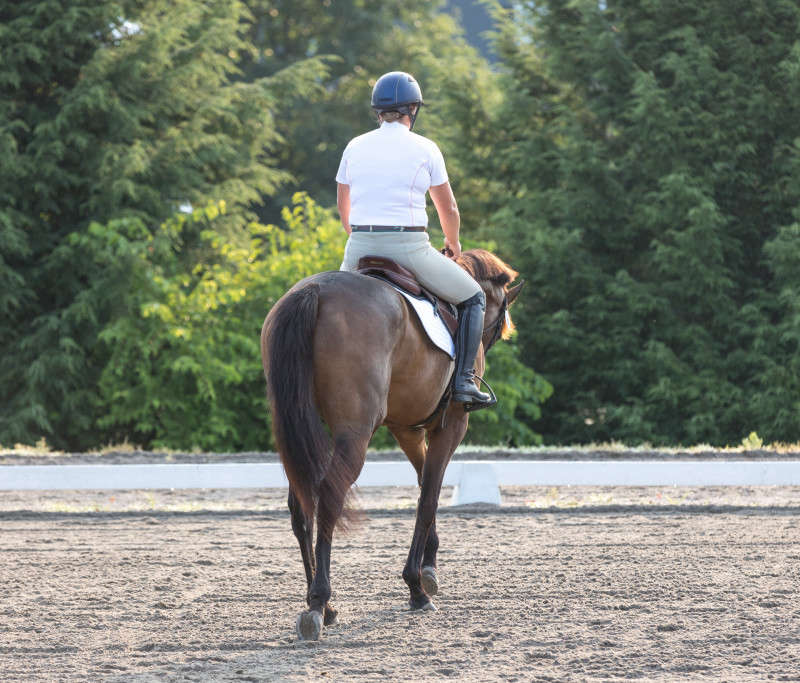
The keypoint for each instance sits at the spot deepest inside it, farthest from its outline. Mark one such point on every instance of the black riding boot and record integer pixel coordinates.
(468, 339)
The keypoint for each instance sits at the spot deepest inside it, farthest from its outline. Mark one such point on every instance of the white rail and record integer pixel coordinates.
(475, 480)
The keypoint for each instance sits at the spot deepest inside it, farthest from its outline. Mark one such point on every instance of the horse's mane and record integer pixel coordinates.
(486, 267)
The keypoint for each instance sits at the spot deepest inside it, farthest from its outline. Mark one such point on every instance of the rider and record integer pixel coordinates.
(382, 180)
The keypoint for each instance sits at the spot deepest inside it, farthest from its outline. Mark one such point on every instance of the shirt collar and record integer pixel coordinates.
(394, 125)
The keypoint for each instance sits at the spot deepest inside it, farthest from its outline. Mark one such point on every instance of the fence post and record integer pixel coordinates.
(477, 483)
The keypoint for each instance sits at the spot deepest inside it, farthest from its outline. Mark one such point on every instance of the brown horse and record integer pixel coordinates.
(344, 350)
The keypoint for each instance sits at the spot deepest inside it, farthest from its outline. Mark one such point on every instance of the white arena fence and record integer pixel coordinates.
(475, 481)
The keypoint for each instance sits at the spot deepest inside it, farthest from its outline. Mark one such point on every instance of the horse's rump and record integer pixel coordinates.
(344, 350)
(373, 361)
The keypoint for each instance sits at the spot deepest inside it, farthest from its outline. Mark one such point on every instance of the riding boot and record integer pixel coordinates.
(468, 339)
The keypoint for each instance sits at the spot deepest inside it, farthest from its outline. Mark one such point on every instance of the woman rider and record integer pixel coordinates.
(382, 181)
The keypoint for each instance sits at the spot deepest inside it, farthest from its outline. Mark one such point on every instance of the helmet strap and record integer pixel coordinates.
(413, 117)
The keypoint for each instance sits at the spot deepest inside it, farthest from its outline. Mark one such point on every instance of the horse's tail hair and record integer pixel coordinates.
(287, 348)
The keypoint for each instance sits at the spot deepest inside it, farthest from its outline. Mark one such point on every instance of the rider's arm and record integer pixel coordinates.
(343, 202)
(446, 207)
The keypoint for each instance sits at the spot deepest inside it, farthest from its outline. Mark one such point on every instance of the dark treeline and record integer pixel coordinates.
(649, 164)
(637, 161)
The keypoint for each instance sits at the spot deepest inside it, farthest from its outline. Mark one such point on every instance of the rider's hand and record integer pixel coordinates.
(452, 251)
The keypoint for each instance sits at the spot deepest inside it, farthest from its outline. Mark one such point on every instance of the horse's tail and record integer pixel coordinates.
(287, 350)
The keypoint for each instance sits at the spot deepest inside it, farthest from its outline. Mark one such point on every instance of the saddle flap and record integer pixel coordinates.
(402, 277)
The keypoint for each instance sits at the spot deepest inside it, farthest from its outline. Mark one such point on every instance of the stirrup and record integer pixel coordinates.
(469, 407)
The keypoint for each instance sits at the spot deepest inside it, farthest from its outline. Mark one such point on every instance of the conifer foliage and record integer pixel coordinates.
(108, 111)
(649, 153)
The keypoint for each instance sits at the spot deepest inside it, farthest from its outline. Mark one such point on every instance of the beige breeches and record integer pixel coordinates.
(441, 275)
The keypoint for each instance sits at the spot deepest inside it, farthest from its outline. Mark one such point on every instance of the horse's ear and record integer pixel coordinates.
(513, 293)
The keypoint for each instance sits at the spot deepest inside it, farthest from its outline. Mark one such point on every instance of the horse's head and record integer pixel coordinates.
(494, 277)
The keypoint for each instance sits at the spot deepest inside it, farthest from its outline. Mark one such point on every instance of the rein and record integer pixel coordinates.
(497, 325)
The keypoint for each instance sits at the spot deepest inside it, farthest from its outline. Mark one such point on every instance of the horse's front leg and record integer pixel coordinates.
(414, 445)
(428, 576)
(425, 542)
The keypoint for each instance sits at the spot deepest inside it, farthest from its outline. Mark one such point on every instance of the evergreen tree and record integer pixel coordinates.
(109, 110)
(650, 163)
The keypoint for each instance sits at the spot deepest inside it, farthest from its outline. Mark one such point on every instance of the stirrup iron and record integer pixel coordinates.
(469, 407)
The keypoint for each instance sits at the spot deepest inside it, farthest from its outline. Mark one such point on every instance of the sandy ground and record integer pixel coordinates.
(558, 584)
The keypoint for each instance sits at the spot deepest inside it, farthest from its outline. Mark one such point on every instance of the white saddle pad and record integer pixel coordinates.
(434, 326)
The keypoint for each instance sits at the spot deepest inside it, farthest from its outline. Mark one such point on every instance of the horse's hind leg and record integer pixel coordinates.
(350, 450)
(303, 529)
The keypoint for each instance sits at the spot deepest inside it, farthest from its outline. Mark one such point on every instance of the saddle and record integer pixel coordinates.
(391, 271)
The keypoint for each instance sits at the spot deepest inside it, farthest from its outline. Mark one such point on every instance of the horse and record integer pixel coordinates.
(342, 355)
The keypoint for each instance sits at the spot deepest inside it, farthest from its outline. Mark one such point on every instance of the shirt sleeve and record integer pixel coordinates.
(438, 170)
(341, 174)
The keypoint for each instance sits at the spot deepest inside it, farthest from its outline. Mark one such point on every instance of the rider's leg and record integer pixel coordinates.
(468, 340)
(445, 278)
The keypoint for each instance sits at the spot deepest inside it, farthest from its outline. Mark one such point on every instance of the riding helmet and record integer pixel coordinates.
(397, 91)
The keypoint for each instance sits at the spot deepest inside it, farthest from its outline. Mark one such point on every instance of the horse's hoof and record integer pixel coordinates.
(309, 625)
(430, 584)
(427, 606)
(331, 616)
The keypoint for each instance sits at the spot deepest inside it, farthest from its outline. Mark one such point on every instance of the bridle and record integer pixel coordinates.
(497, 325)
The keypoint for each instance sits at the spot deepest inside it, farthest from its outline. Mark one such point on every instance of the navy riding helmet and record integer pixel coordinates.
(397, 91)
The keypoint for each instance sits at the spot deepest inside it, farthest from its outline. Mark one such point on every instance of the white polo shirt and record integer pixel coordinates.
(389, 170)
